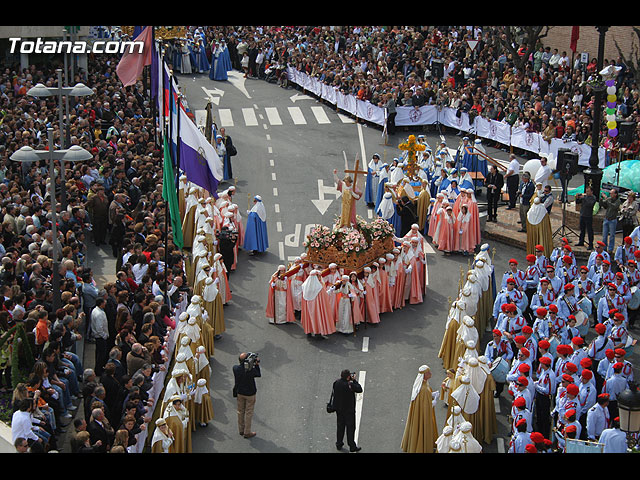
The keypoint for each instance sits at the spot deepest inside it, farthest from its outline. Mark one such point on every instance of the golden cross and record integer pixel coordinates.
(411, 147)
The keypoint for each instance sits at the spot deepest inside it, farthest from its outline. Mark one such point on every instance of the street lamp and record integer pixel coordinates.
(629, 410)
(79, 90)
(593, 174)
(72, 154)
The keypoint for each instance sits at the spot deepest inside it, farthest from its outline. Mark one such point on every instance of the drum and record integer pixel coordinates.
(553, 345)
(582, 323)
(599, 294)
(631, 342)
(634, 303)
(499, 370)
(585, 305)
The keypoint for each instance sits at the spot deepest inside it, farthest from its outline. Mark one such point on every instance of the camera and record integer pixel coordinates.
(250, 361)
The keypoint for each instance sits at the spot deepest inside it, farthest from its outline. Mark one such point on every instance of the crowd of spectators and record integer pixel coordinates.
(113, 199)
(415, 66)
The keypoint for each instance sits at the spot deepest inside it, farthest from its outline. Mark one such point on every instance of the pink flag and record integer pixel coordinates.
(131, 64)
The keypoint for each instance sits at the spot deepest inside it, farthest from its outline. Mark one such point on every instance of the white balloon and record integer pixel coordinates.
(611, 90)
(531, 167)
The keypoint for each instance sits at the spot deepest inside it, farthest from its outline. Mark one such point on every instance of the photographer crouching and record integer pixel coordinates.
(245, 373)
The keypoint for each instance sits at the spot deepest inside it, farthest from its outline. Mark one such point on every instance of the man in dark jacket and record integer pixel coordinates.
(494, 183)
(344, 403)
(245, 373)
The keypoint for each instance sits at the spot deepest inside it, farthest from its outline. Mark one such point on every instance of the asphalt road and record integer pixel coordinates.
(288, 159)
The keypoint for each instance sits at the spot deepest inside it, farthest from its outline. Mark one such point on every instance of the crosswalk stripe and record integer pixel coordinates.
(249, 115)
(297, 116)
(226, 119)
(320, 115)
(345, 119)
(273, 115)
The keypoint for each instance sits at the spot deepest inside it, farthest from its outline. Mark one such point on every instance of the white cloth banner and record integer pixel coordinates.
(431, 115)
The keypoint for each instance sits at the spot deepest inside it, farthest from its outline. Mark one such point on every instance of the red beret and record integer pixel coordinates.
(570, 367)
(504, 307)
(628, 240)
(604, 395)
(620, 275)
(619, 316)
(519, 339)
(545, 360)
(600, 328)
(618, 366)
(519, 402)
(632, 262)
(511, 280)
(567, 259)
(569, 286)
(606, 262)
(564, 349)
(567, 248)
(513, 260)
(522, 380)
(564, 240)
(600, 243)
(577, 340)
(539, 248)
(571, 429)
(572, 389)
(584, 268)
(609, 353)
(530, 448)
(567, 378)
(571, 412)
(544, 344)
(585, 362)
(497, 332)
(511, 308)
(571, 317)
(586, 373)
(541, 311)
(520, 422)
(524, 368)
(553, 308)
(599, 256)
(525, 351)
(544, 280)
(531, 258)
(636, 254)
(620, 352)
(613, 311)
(527, 329)
(536, 437)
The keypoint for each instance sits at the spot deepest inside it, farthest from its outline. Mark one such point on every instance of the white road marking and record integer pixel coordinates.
(365, 344)
(273, 115)
(428, 248)
(272, 163)
(281, 250)
(269, 149)
(275, 191)
(363, 161)
(359, 399)
(293, 239)
(345, 118)
(276, 207)
(500, 442)
(279, 227)
(297, 116)
(249, 115)
(268, 137)
(273, 176)
(226, 119)
(320, 115)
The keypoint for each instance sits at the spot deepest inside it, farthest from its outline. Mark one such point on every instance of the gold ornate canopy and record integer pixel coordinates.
(161, 33)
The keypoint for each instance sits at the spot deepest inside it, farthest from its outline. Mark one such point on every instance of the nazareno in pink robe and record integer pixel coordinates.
(316, 315)
(446, 238)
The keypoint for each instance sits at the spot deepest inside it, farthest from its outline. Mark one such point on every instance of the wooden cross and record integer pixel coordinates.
(355, 172)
